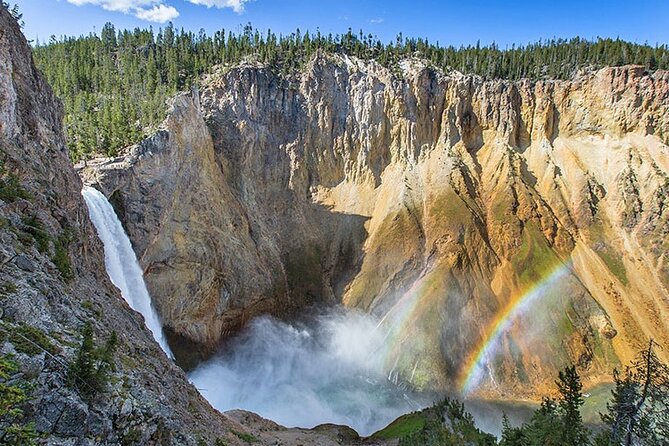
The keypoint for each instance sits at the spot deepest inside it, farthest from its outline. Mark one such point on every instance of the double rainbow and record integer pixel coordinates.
(483, 354)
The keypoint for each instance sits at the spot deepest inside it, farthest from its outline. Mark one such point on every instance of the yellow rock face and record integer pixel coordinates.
(499, 230)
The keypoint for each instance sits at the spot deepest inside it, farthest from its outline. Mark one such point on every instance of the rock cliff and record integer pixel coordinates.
(444, 204)
(53, 281)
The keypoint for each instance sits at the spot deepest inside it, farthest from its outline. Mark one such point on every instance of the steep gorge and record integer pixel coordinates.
(53, 281)
(443, 204)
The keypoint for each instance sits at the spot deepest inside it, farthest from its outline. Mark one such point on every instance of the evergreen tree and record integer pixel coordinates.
(512, 436)
(639, 410)
(571, 399)
(15, 12)
(108, 36)
(82, 370)
(140, 69)
(555, 422)
(90, 371)
(545, 426)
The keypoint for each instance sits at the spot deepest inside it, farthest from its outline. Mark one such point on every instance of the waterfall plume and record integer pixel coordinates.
(121, 262)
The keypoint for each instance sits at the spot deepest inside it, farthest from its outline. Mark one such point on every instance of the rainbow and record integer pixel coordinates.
(398, 325)
(395, 322)
(476, 365)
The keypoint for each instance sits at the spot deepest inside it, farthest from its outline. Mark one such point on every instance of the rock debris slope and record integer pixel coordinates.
(435, 201)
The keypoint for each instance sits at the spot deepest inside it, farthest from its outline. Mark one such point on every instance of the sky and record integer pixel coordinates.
(449, 22)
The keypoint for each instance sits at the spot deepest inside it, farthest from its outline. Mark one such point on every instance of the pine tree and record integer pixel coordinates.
(82, 371)
(639, 410)
(90, 371)
(105, 360)
(142, 70)
(108, 36)
(545, 426)
(511, 436)
(571, 399)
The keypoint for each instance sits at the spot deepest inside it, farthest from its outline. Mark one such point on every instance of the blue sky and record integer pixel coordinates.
(448, 21)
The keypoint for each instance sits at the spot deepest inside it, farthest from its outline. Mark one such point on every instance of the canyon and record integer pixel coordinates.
(497, 230)
(53, 282)
(336, 231)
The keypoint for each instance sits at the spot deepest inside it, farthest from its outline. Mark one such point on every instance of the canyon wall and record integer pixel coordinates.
(504, 227)
(53, 281)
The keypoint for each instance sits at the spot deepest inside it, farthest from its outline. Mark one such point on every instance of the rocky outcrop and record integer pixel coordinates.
(436, 201)
(53, 281)
(54, 293)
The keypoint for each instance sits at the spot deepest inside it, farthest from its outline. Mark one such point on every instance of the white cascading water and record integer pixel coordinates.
(121, 262)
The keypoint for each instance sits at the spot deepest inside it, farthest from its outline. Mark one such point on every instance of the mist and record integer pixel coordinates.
(302, 375)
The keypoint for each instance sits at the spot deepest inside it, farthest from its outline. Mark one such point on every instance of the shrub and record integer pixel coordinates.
(90, 372)
(248, 438)
(33, 226)
(16, 431)
(131, 437)
(10, 186)
(7, 288)
(61, 257)
(27, 339)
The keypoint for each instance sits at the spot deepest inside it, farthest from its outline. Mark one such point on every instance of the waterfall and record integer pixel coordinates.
(121, 262)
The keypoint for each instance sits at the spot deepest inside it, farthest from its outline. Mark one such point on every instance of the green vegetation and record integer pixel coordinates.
(33, 226)
(10, 186)
(403, 426)
(606, 252)
(32, 230)
(248, 438)
(115, 85)
(15, 430)
(7, 288)
(614, 263)
(444, 424)
(14, 11)
(91, 369)
(571, 399)
(131, 437)
(27, 339)
(61, 257)
(637, 414)
(555, 422)
(535, 257)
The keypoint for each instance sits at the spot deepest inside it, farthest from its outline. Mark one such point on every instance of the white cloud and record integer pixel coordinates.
(377, 20)
(158, 14)
(150, 10)
(117, 5)
(157, 10)
(236, 5)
